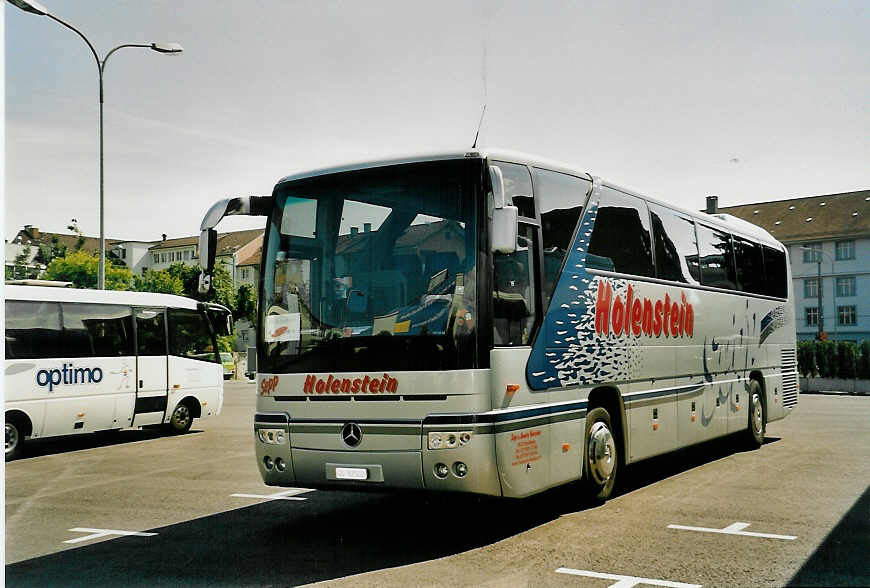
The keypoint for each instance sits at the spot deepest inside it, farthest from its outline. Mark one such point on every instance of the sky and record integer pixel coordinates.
(750, 101)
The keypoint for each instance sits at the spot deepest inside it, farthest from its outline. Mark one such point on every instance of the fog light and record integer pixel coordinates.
(460, 469)
(280, 465)
(267, 462)
(441, 470)
(464, 437)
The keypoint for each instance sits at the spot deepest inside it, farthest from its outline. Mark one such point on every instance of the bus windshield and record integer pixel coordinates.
(373, 269)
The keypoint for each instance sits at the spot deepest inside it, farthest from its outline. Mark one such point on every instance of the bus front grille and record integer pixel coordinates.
(789, 378)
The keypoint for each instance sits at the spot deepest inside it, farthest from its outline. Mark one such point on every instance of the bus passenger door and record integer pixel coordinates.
(151, 368)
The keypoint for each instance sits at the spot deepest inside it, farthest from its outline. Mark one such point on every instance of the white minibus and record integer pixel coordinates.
(80, 361)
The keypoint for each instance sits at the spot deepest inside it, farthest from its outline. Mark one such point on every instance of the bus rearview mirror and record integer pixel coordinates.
(503, 231)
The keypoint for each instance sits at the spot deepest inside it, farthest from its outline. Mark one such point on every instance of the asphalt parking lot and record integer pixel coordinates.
(147, 510)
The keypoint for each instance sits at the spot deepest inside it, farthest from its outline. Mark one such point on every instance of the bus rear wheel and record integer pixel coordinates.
(756, 427)
(14, 440)
(181, 419)
(600, 456)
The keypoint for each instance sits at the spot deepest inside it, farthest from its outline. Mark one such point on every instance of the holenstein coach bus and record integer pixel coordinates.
(80, 361)
(498, 324)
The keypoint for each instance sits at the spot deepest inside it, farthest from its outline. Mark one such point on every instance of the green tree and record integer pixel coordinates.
(20, 267)
(845, 360)
(158, 281)
(81, 268)
(864, 361)
(74, 227)
(222, 284)
(821, 359)
(246, 303)
(47, 252)
(806, 359)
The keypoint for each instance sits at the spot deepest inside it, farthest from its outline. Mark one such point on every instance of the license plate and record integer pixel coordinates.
(351, 473)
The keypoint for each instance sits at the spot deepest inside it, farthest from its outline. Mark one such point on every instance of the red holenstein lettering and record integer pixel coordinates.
(365, 385)
(674, 318)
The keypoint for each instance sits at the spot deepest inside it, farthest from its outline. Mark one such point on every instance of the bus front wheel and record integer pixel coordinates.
(601, 460)
(756, 427)
(181, 419)
(14, 439)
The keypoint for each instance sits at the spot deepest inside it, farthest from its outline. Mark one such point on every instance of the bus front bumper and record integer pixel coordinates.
(470, 468)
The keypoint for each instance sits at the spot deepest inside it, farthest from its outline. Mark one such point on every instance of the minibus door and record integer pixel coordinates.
(151, 367)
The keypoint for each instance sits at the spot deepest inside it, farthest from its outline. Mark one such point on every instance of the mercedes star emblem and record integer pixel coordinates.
(351, 434)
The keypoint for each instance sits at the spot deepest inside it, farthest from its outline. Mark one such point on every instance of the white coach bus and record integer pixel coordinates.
(500, 324)
(80, 361)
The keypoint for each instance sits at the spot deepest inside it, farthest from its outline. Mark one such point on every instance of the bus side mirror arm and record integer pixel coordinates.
(503, 227)
(242, 205)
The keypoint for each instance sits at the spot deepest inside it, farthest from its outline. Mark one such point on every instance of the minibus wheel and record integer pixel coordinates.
(14, 439)
(181, 419)
(600, 455)
(756, 427)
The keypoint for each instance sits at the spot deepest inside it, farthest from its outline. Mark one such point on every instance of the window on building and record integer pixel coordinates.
(560, 200)
(847, 315)
(620, 240)
(156, 257)
(812, 252)
(846, 286)
(812, 315)
(844, 250)
(811, 288)
(717, 258)
(244, 273)
(186, 254)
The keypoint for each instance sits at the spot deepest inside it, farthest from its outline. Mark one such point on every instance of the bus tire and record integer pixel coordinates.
(600, 456)
(14, 438)
(181, 419)
(756, 427)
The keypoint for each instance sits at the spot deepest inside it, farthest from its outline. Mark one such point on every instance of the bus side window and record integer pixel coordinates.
(190, 336)
(676, 246)
(750, 266)
(32, 330)
(97, 330)
(560, 199)
(775, 274)
(517, 187)
(513, 296)
(150, 334)
(717, 258)
(620, 240)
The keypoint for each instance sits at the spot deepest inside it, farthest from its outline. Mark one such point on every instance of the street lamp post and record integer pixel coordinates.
(169, 48)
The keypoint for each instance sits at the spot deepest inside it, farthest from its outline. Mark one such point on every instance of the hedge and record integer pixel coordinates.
(827, 359)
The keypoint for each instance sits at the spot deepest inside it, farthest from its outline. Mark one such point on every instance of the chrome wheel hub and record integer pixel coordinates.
(757, 414)
(601, 453)
(180, 416)
(11, 438)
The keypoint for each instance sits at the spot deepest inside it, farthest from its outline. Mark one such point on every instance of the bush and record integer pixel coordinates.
(846, 360)
(806, 358)
(864, 361)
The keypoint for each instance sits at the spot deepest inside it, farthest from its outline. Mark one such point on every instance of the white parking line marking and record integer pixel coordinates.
(734, 529)
(290, 494)
(626, 581)
(97, 533)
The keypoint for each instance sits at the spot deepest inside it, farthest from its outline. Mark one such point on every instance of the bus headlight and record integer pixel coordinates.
(272, 436)
(448, 439)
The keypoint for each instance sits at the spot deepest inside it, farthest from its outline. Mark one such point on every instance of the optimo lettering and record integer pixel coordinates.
(674, 318)
(365, 385)
(68, 375)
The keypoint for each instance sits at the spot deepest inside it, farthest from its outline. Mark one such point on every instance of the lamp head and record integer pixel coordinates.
(171, 48)
(30, 6)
